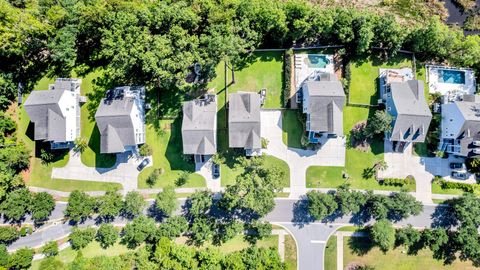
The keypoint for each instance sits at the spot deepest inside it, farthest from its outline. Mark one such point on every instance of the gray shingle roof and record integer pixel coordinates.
(115, 124)
(199, 127)
(325, 104)
(44, 111)
(413, 116)
(470, 130)
(244, 120)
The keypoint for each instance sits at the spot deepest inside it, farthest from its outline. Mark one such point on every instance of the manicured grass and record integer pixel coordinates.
(439, 201)
(261, 70)
(318, 176)
(437, 189)
(292, 129)
(229, 173)
(351, 228)
(331, 253)
(39, 174)
(91, 250)
(91, 156)
(420, 149)
(290, 253)
(394, 259)
(237, 243)
(364, 76)
(166, 140)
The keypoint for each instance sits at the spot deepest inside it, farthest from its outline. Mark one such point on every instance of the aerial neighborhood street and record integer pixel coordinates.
(249, 134)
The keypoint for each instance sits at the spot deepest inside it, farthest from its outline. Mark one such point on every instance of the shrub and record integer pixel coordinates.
(444, 184)
(182, 178)
(218, 158)
(397, 182)
(347, 78)
(264, 143)
(153, 177)
(50, 249)
(8, 234)
(81, 144)
(145, 150)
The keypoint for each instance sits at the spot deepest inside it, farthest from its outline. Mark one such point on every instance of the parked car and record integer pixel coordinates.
(143, 164)
(215, 171)
(457, 165)
(459, 175)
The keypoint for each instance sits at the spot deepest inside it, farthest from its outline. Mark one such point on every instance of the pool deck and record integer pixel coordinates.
(451, 90)
(303, 71)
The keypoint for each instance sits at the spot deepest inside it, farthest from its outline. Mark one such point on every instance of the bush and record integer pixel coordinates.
(50, 249)
(81, 143)
(145, 150)
(182, 178)
(287, 69)
(397, 182)
(8, 234)
(264, 143)
(444, 184)
(153, 177)
(347, 79)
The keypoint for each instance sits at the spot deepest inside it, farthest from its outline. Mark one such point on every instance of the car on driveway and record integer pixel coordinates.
(459, 175)
(215, 170)
(456, 165)
(143, 164)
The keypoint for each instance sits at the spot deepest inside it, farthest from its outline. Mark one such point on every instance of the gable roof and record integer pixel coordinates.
(326, 99)
(244, 120)
(115, 124)
(199, 126)
(412, 116)
(470, 130)
(44, 111)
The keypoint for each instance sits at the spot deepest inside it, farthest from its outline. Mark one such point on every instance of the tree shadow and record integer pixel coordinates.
(360, 245)
(174, 150)
(443, 217)
(301, 216)
(101, 160)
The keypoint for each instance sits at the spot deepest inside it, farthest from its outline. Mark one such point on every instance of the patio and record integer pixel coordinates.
(451, 89)
(307, 65)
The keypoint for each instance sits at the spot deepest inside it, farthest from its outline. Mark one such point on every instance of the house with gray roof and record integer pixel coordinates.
(121, 119)
(55, 113)
(244, 122)
(323, 100)
(461, 127)
(199, 127)
(405, 102)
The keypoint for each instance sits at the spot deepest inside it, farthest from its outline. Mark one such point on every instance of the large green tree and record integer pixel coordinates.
(80, 206)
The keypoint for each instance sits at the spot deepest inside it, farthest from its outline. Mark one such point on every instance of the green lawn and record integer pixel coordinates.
(39, 174)
(356, 160)
(260, 70)
(420, 149)
(166, 140)
(91, 250)
(229, 173)
(395, 259)
(237, 243)
(331, 253)
(292, 129)
(364, 74)
(437, 189)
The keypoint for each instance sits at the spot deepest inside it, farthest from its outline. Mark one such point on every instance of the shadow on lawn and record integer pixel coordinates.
(174, 148)
(360, 245)
(101, 160)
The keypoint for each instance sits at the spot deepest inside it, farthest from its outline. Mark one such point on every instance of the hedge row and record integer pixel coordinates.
(444, 184)
(287, 68)
(398, 182)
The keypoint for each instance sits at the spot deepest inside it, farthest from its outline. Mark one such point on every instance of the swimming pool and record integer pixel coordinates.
(317, 61)
(451, 76)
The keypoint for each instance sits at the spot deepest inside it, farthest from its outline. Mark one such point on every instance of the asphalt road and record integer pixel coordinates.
(311, 237)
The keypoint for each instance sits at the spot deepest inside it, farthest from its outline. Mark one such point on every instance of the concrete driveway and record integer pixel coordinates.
(123, 172)
(332, 152)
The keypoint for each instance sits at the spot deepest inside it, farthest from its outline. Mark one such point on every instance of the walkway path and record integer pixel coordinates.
(123, 172)
(332, 152)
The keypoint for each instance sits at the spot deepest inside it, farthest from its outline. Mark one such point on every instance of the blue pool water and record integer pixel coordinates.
(317, 61)
(451, 76)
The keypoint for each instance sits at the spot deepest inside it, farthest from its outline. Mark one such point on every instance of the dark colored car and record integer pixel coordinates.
(215, 171)
(459, 175)
(143, 164)
(456, 165)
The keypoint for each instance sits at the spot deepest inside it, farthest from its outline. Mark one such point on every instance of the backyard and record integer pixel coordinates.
(164, 136)
(360, 251)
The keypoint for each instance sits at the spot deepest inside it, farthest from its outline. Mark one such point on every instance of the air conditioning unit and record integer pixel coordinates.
(476, 143)
(476, 151)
